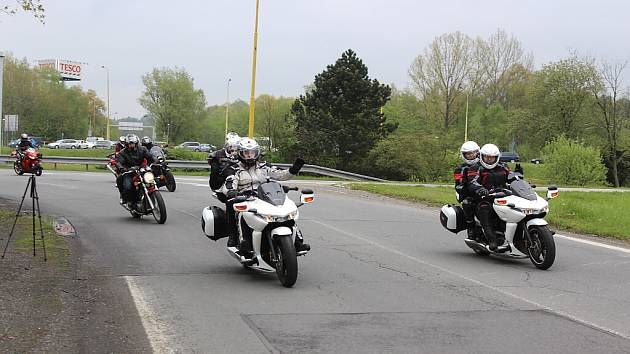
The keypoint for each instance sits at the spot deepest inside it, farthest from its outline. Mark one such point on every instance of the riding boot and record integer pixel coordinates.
(470, 230)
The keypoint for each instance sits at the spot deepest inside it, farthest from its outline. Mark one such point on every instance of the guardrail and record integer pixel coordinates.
(202, 165)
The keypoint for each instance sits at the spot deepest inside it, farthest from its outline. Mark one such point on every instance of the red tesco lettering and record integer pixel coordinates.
(70, 68)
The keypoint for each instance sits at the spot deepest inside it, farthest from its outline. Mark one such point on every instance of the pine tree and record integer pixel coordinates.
(339, 118)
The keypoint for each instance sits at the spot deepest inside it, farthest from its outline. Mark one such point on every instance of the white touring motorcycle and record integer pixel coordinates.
(521, 222)
(270, 216)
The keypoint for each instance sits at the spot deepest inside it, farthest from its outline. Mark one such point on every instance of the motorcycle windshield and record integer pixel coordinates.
(522, 189)
(271, 192)
(157, 152)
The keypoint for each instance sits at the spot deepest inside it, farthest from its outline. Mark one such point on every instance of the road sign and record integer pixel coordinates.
(11, 123)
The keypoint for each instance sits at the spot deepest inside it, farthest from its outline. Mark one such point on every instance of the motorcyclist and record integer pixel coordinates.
(247, 175)
(491, 174)
(463, 174)
(132, 156)
(120, 144)
(221, 160)
(24, 144)
(147, 142)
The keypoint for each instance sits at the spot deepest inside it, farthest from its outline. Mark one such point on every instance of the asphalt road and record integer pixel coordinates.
(382, 276)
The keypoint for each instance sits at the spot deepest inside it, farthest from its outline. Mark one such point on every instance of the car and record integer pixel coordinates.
(207, 147)
(69, 144)
(36, 141)
(509, 156)
(54, 145)
(190, 145)
(103, 144)
(86, 144)
(536, 161)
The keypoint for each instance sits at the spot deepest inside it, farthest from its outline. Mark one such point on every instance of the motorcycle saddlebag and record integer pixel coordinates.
(452, 218)
(214, 222)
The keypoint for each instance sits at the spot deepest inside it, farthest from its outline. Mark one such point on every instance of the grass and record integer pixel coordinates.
(56, 247)
(599, 213)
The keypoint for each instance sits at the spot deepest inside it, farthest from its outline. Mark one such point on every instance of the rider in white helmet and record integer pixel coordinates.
(247, 175)
(221, 159)
(469, 152)
(491, 174)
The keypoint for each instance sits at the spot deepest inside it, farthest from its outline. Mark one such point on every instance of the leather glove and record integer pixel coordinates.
(482, 192)
(232, 194)
(297, 166)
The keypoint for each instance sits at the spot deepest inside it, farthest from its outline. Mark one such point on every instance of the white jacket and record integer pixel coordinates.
(250, 178)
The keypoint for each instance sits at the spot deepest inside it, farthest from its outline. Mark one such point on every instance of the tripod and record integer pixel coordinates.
(35, 201)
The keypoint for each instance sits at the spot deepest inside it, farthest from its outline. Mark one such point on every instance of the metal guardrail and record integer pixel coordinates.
(202, 165)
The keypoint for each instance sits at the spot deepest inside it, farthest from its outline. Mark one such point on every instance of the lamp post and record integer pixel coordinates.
(466, 125)
(227, 106)
(252, 99)
(1, 84)
(108, 115)
(168, 132)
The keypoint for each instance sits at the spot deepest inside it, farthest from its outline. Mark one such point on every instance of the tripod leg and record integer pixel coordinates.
(39, 214)
(16, 218)
(33, 215)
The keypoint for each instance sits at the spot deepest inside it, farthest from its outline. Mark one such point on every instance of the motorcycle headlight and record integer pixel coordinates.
(149, 178)
(32, 157)
(274, 218)
(531, 211)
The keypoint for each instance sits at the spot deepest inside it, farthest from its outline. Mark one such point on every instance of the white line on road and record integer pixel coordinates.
(464, 277)
(157, 332)
(593, 243)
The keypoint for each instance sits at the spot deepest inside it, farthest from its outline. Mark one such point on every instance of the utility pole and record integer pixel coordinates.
(1, 84)
(466, 125)
(252, 100)
(108, 115)
(227, 106)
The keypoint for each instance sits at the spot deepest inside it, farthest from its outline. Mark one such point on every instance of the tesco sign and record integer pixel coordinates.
(68, 70)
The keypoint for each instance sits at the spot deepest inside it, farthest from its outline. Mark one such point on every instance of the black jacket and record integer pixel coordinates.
(25, 144)
(130, 158)
(463, 175)
(489, 179)
(219, 168)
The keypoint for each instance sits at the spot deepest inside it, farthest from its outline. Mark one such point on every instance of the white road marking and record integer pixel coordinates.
(474, 281)
(593, 243)
(160, 336)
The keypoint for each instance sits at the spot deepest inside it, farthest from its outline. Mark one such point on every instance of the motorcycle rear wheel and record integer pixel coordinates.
(159, 208)
(542, 251)
(286, 264)
(170, 182)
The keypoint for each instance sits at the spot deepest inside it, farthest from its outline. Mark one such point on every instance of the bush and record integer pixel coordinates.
(571, 163)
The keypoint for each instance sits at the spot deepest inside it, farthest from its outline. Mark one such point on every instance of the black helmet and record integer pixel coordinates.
(146, 141)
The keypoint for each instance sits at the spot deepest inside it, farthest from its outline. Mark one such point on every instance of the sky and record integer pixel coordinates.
(213, 39)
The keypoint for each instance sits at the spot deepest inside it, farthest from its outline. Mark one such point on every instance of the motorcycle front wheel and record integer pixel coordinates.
(159, 208)
(542, 250)
(170, 182)
(286, 264)
(38, 171)
(17, 169)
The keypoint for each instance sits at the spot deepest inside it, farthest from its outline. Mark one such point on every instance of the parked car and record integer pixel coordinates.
(70, 144)
(536, 161)
(103, 144)
(36, 141)
(85, 144)
(94, 139)
(207, 147)
(509, 156)
(54, 145)
(190, 145)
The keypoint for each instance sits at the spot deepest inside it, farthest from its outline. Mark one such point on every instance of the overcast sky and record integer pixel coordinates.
(213, 39)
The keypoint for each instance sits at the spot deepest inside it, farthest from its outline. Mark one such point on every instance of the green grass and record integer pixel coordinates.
(57, 248)
(599, 213)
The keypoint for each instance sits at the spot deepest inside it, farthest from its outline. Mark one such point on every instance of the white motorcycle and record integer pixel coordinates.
(270, 217)
(521, 215)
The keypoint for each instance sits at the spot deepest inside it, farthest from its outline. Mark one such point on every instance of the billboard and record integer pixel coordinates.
(68, 70)
(11, 123)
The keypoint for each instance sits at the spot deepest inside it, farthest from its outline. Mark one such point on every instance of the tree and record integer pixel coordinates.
(170, 96)
(34, 6)
(441, 73)
(560, 91)
(340, 119)
(606, 97)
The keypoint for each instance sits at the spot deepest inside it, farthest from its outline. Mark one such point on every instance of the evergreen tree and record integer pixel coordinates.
(340, 118)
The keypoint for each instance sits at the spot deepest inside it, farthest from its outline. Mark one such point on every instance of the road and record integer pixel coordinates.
(382, 276)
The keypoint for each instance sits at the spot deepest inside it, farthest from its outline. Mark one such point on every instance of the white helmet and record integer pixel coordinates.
(231, 144)
(468, 147)
(248, 151)
(489, 156)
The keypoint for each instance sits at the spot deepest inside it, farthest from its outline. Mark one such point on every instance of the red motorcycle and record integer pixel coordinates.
(31, 162)
(111, 164)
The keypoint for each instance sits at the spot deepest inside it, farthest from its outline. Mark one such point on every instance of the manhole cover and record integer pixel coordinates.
(64, 227)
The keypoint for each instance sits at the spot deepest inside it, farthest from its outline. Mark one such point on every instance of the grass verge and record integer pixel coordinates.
(57, 248)
(597, 213)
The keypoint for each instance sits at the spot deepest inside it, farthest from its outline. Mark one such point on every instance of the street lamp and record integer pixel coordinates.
(252, 99)
(168, 132)
(108, 116)
(227, 106)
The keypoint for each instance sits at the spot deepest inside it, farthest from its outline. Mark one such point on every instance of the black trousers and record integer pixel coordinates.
(126, 188)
